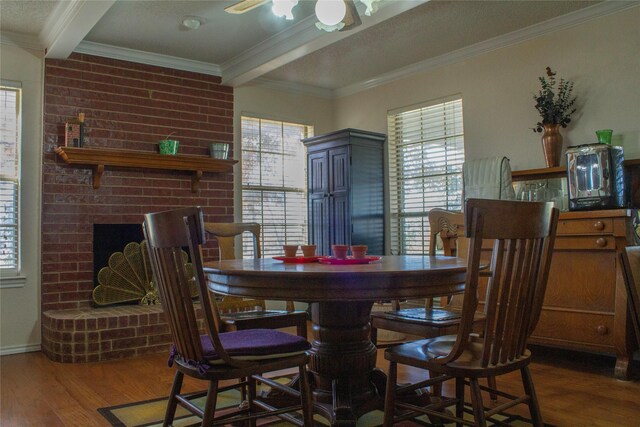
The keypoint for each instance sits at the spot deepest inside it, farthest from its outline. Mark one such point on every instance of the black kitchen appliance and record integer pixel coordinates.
(595, 175)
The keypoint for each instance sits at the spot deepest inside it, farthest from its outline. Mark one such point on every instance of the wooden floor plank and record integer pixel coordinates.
(574, 389)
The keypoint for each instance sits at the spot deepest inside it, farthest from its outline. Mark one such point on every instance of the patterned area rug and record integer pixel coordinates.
(150, 413)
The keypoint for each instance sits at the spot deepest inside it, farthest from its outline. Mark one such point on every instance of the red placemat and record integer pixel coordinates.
(298, 259)
(349, 260)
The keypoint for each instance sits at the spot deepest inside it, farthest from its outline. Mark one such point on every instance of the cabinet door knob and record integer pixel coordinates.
(599, 225)
(602, 330)
(601, 242)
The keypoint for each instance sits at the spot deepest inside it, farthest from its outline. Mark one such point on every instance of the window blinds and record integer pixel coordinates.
(9, 177)
(426, 153)
(274, 189)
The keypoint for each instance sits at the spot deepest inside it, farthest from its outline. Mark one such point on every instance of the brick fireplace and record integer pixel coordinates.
(126, 106)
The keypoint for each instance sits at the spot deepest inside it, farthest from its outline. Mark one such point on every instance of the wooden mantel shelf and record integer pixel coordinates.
(556, 172)
(101, 157)
(544, 173)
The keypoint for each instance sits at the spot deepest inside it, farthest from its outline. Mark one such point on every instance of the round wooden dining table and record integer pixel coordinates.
(346, 383)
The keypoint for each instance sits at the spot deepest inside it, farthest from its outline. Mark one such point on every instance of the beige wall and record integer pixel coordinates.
(282, 105)
(20, 303)
(600, 56)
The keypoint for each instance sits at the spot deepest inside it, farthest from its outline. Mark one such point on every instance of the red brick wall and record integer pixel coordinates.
(130, 106)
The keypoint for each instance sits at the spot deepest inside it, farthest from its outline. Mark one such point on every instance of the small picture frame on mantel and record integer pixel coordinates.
(74, 132)
(72, 135)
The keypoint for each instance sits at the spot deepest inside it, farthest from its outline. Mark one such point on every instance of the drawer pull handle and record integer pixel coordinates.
(602, 330)
(601, 242)
(599, 225)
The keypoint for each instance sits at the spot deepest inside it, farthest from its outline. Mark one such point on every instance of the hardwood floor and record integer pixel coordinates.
(574, 389)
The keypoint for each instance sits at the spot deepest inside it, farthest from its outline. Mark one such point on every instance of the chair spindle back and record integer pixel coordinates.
(167, 233)
(523, 235)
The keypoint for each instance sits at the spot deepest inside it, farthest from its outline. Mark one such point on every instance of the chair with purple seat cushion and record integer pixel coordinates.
(244, 355)
(242, 313)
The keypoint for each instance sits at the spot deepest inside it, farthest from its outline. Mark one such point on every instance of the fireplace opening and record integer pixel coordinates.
(109, 239)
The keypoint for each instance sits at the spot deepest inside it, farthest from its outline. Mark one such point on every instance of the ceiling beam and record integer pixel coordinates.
(298, 41)
(69, 24)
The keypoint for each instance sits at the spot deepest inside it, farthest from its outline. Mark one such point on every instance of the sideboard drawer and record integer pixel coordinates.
(585, 226)
(595, 243)
(582, 280)
(588, 328)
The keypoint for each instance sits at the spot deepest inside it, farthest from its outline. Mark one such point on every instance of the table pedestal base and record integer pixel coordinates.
(346, 382)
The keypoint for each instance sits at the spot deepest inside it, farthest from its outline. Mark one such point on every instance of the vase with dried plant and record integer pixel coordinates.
(555, 105)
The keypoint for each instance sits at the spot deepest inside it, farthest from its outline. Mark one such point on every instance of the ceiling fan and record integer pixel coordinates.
(348, 16)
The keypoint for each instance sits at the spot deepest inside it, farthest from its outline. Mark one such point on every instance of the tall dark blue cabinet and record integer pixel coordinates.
(346, 190)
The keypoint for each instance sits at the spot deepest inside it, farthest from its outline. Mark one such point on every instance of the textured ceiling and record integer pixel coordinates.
(427, 31)
(25, 17)
(157, 28)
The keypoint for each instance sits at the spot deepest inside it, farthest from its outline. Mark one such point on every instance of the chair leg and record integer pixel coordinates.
(390, 394)
(210, 404)
(534, 407)
(243, 391)
(172, 403)
(476, 402)
(253, 391)
(305, 396)
(436, 389)
(459, 399)
(491, 382)
(301, 329)
(374, 335)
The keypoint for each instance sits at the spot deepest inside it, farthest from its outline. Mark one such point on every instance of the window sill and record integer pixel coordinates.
(12, 281)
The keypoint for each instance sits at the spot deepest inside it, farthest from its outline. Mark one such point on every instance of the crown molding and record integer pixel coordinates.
(59, 19)
(296, 88)
(515, 37)
(24, 41)
(124, 54)
(69, 23)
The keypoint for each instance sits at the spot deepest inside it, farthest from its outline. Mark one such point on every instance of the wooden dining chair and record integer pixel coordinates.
(429, 321)
(630, 258)
(241, 313)
(212, 356)
(523, 234)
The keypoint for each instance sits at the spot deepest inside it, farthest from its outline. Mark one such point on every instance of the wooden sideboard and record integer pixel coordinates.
(585, 306)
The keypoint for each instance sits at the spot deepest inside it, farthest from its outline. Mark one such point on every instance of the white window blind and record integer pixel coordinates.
(426, 153)
(274, 188)
(9, 177)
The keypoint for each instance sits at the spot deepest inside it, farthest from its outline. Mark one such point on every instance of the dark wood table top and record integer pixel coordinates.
(392, 277)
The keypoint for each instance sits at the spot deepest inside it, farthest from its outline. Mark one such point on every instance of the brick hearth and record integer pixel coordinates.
(96, 334)
(126, 106)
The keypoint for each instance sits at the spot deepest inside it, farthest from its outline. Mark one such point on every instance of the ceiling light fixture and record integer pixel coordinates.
(330, 12)
(334, 15)
(284, 8)
(372, 6)
(192, 22)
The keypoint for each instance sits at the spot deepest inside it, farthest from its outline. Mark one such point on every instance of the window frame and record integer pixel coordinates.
(12, 275)
(414, 118)
(266, 248)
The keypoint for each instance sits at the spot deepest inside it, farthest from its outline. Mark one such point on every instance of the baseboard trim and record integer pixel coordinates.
(17, 349)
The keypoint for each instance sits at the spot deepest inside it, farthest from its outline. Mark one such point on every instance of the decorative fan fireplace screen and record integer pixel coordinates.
(128, 277)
